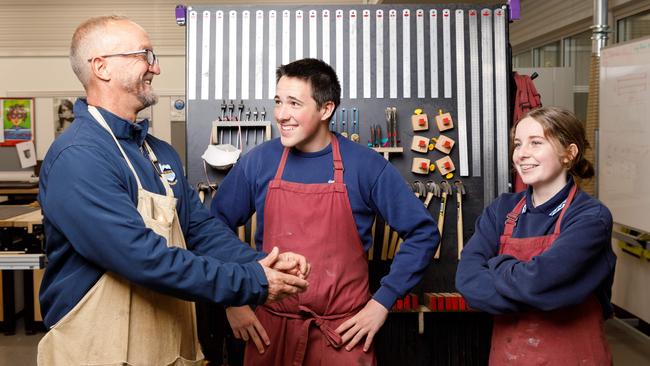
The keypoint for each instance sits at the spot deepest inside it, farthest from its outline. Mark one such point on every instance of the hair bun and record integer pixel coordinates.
(583, 169)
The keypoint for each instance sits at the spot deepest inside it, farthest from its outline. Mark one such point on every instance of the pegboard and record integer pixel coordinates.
(404, 56)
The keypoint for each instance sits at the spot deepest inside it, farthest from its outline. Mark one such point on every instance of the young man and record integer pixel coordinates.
(128, 241)
(317, 193)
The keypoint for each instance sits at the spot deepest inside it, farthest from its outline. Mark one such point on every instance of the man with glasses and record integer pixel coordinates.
(129, 243)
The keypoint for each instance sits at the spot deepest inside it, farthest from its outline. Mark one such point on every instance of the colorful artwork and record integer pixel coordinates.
(17, 120)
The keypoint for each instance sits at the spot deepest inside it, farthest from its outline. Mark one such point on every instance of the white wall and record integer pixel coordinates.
(47, 77)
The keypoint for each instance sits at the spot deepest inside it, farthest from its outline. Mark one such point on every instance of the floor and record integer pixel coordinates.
(629, 346)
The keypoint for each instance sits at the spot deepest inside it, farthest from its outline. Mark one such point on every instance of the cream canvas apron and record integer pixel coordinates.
(120, 323)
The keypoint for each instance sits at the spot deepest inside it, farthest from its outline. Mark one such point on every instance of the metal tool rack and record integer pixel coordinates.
(434, 57)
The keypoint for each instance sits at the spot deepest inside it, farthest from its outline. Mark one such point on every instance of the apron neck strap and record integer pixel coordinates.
(513, 216)
(102, 122)
(338, 162)
(336, 157)
(568, 201)
(154, 160)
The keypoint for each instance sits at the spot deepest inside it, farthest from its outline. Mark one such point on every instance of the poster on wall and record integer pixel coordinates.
(17, 120)
(63, 115)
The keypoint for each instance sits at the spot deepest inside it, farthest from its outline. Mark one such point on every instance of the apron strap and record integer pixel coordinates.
(283, 162)
(154, 160)
(338, 162)
(102, 122)
(513, 216)
(568, 201)
(336, 157)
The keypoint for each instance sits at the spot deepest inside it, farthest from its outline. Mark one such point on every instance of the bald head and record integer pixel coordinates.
(93, 38)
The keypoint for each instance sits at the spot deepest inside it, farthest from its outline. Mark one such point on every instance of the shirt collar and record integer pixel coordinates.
(552, 206)
(123, 129)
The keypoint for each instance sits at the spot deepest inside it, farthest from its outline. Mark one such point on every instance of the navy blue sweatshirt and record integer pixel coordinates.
(89, 197)
(578, 264)
(374, 186)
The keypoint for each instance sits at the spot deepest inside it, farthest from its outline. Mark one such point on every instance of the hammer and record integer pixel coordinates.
(433, 189)
(395, 241)
(445, 190)
(460, 191)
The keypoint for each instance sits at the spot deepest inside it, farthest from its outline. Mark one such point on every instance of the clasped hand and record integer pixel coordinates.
(286, 274)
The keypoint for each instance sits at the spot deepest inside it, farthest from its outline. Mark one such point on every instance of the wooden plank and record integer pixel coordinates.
(36, 282)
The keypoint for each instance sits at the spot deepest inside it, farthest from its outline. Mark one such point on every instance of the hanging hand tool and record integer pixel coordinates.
(344, 128)
(378, 136)
(231, 110)
(224, 106)
(240, 108)
(395, 241)
(433, 190)
(394, 125)
(460, 191)
(384, 243)
(255, 119)
(263, 118)
(248, 118)
(333, 122)
(389, 127)
(253, 230)
(355, 127)
(372, 235)
(371, 141)
(446, 190)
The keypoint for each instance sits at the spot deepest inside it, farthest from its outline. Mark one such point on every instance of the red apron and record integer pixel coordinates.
(569, 336)
(314, 220)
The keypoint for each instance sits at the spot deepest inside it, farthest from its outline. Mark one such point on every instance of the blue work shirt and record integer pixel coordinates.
(88, 196)
(579, 264)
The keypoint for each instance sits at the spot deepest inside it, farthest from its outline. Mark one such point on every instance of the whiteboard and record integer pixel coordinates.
(624, 140)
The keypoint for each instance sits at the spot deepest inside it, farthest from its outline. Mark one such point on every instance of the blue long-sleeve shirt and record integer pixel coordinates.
(374, 186)
(89, 200)
(578, 264)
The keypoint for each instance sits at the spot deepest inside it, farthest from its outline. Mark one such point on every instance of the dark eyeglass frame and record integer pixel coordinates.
(150, 55)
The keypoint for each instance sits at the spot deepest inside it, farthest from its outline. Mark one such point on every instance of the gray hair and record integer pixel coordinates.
(85, 42)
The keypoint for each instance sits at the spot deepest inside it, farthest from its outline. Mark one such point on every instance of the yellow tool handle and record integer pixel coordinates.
(253, 230)
(399, 244)
(393, 245)
(441, 222)
(241, 232)
(384, 246)
(372, 246)
(427, 200)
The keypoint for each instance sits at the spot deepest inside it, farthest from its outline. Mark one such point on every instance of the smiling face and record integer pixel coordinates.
(302, 124)
(536, 158)
(134, 75)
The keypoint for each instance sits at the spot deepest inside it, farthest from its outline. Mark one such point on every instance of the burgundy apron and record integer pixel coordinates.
(569, 336)
(314, 220)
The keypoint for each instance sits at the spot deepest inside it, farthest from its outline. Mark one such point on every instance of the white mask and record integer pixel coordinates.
(221, 156)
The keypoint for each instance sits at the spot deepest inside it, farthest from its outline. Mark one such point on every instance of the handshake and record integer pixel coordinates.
(286, 273)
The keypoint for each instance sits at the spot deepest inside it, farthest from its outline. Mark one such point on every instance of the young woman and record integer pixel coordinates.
(541, 260)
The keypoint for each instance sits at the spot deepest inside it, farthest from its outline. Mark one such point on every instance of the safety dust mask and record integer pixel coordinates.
(222, 156)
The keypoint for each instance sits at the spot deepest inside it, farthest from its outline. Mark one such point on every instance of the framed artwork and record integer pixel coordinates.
(63, 114)
(17, 120)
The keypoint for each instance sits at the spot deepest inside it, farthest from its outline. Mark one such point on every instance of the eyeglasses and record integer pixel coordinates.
(151, 57)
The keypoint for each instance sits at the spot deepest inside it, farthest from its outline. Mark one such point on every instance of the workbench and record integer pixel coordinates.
(21, 250)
